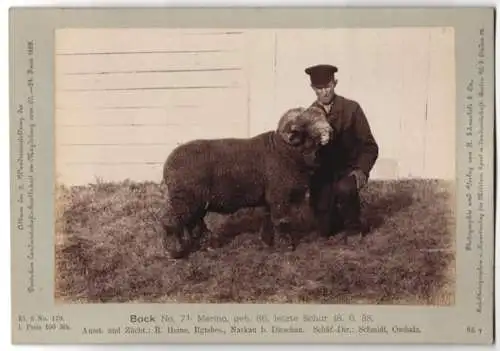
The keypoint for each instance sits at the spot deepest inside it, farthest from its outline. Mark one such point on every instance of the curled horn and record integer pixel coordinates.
(288, 126)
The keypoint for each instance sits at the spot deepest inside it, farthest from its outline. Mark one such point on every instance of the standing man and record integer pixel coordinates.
(345, 163)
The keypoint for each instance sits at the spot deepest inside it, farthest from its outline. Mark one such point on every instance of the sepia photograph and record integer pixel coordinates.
(255, 165)
(252, 175)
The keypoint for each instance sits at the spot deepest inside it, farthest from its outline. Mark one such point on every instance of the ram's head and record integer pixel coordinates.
(305, 129)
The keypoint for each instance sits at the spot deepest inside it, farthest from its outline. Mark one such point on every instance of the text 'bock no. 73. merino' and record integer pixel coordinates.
(270, 170)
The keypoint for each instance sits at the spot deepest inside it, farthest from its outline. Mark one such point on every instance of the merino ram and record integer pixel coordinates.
(270, 170)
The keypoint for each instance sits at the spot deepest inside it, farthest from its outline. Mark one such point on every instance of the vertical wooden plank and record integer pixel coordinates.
(441, 123)
(379, 98)
(382, 69)
(415, 55)
(369, 72)
(292, 84)
(261, 63)
(375, 83)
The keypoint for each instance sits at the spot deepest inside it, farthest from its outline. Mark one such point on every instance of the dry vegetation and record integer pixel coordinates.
(108, 249)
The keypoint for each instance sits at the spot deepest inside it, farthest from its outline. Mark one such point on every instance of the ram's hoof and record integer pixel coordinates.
(178, 253)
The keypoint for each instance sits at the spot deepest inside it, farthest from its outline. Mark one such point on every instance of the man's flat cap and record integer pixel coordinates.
(321, 74)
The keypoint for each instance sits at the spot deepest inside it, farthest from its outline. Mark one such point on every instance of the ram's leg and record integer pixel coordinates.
(200, 229)
(267, 229)
(282, 223)
(294, 238)
(179, 221)
(180, 248)
(167, 230)
(200, 232)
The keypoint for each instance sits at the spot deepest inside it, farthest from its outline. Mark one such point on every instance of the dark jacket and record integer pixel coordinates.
(353, 145)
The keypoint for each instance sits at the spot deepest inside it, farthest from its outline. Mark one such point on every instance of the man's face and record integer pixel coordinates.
(325, 93)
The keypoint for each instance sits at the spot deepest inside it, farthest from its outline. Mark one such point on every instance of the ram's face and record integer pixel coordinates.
(305, 129)
(300, 126)
(317, 126)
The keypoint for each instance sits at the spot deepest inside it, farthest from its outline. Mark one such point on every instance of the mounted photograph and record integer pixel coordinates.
(255, 165)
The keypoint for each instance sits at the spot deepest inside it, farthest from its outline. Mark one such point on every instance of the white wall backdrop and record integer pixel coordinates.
(126, 97)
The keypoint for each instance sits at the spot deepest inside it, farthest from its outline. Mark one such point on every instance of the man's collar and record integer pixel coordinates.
(334, 106)
(328, 107)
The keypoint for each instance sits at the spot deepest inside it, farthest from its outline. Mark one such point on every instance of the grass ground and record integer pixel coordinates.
(108, 249)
